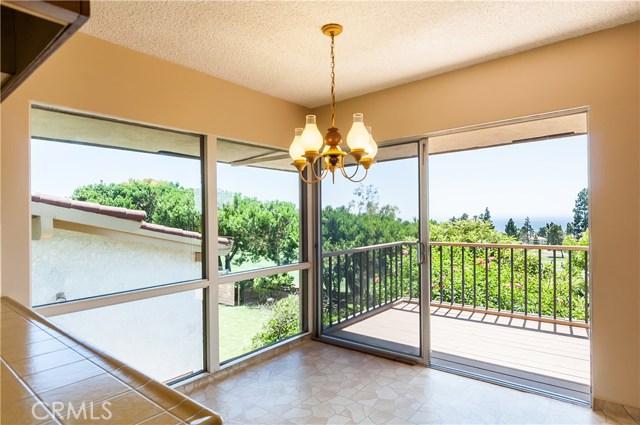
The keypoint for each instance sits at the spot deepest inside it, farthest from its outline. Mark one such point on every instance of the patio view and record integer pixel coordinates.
(521, 287)
(506, 301)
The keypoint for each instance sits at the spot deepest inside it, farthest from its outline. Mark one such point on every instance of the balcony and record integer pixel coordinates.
(516, 313)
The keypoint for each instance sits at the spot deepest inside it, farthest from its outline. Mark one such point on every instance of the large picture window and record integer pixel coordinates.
(119, 241)
(117, 210)
(115, 207)
(262, 275)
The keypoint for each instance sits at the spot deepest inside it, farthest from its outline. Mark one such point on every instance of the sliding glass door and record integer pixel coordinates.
(371, 287)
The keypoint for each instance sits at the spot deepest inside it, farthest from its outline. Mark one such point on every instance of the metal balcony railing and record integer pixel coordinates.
(546, 283)
(361, 280)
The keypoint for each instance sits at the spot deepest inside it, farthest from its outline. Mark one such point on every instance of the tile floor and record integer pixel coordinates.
(318, 383)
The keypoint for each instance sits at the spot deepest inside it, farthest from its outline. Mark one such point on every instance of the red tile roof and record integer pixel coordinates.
(117, 212)
(170, 230)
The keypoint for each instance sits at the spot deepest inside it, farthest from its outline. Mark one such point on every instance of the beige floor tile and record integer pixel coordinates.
(322, 384)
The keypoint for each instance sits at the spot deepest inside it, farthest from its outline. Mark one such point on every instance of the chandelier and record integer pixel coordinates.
(323, 155)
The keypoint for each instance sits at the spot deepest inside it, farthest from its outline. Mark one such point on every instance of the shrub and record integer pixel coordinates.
(283, 323)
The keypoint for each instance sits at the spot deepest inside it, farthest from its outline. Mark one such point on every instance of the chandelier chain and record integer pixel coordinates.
(333, 83)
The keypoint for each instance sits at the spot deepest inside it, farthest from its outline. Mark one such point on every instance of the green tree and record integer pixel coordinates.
(486, 216)
(526, 231)
(543, 231)
(364, 223)
(569, 229)
(510, 229)
(473, 231)
(554, 234)
(165, 203)
(260, 230)
(579, 259)
(570, 240)
(581, 214)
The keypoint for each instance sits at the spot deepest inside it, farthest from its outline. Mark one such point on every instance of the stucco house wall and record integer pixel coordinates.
(83, 265)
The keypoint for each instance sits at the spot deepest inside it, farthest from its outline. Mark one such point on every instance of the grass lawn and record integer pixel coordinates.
(237, 326)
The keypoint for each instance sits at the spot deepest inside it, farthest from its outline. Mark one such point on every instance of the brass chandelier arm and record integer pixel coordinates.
(350, 177)
(320, 176)
(315, 176)
(308, 181)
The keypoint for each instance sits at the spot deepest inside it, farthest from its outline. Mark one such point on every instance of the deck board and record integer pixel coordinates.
(538, 349)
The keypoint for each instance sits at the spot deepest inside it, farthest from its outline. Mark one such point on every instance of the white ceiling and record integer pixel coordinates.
(276, 47)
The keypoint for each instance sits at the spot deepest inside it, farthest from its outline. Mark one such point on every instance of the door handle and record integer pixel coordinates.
(422, 252)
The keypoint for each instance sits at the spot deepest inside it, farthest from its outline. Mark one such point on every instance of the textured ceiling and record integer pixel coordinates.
(276, 47)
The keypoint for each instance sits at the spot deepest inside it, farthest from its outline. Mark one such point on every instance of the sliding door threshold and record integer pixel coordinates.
(568, 396)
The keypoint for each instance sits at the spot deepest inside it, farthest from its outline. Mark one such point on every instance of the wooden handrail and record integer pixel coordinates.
(463, 244)
(514, 246)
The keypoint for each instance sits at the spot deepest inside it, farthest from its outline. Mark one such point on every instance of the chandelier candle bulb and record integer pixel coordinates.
(296, 151)
(311, 138)
(372, 147)
(358, 137)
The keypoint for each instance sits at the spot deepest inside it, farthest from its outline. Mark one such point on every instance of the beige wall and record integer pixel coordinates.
(94, 76)
(601, 71)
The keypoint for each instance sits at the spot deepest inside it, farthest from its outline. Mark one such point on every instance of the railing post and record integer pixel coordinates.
(499, 279)
(526, 295)
(486, 278)
(512, 280)
(540, 283)
(360, 281)
(586, 287)
(368, 281)
(555, 287)
(402, 270)
(330, 280)
(451, 264)
(380, 278)
(462, 283)
(570, 288)
(339, 280)
(475, 286)
(441, 267)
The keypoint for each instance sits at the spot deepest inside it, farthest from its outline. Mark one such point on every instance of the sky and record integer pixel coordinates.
(58, 168)
(539, 179)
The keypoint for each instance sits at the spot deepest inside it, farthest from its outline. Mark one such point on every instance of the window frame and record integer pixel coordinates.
(138, 294)
(211, 280)
(303, 265)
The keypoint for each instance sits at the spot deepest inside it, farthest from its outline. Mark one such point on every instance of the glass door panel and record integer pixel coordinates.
(370, 269)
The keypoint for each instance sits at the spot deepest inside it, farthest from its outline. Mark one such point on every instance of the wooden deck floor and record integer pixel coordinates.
(554, 355)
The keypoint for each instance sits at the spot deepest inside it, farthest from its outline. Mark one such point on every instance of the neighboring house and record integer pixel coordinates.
(83, 249)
